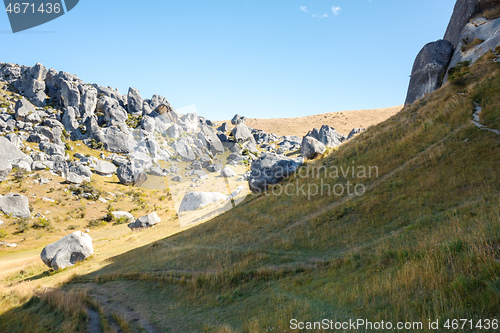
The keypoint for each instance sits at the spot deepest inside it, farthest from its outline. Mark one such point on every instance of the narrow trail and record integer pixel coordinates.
(94, 321)
(476, 120)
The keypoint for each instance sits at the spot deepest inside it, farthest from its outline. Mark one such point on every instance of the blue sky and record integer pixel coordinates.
(265, 59)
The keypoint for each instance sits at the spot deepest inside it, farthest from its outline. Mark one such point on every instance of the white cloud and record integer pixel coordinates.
(336, 10)
(304, 9)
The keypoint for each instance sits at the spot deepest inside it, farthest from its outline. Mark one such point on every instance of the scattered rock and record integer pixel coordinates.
(242, 134)
(15, 205)
(195, 200)
(5, 168)
(105, 168)
(121, 214)
(354, 132)
(177, 178)
(145, 221)
(228, 172)
(67, 251)
(271, 169)
(73, 178)
(312, 148)
(130, 174)
(216, 167)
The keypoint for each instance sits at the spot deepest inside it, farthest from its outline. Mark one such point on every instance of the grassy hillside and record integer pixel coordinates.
(422, 242)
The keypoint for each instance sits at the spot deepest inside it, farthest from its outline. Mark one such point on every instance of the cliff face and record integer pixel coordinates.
(464, 10)
(467, 38)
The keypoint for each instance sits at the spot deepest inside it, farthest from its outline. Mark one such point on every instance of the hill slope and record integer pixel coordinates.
(422, 242)
(343, 121)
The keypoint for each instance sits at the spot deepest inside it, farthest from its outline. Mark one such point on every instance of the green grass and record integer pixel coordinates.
(422, 243)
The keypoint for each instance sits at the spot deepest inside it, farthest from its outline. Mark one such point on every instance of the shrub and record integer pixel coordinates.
(3, 233)
(96, 223)
(42, 223)
(121, 220)
(458, 74)
(22, 225)
(85, 190)
(133, 121)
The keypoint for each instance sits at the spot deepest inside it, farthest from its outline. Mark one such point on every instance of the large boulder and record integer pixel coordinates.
(5, 168)
(114, 114)
(174, 131)
(131, 174)
(228, 172)
(312, 148)
(237, 119)
(15, 205)
(134, 102)
(74, 178)
(271, 169)
(242, 133)
(88, 100)
(67, 251)
(145, 221)
(195, 200)
(210, 139)
(123, 215)
(354, 132)
(428, 70)
(23, 108)
(70, 95)
(116, 140)
(105, 168)
(10, 152)
(184, 150)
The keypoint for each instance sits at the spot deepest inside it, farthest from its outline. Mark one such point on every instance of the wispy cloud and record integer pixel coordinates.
(320, 16)
(336, 10)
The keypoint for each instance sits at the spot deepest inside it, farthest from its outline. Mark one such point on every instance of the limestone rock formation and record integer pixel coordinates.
(429, 69)
(67, 251)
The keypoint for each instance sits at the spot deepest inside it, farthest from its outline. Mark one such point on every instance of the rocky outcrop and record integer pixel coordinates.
(462, 13)
(327, 135)
(432, 63)
(429, 69)
(477, 38)
(67, 251)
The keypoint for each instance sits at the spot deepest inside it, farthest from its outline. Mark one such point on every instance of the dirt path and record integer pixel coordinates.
(476, 122)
